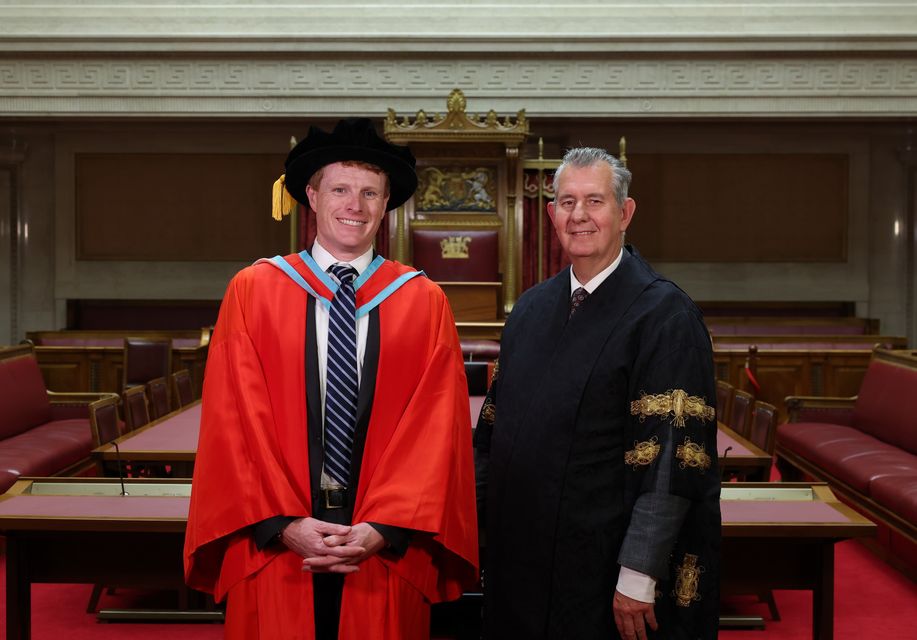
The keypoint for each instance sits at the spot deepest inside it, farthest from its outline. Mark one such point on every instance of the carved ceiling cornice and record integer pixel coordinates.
(300, 58)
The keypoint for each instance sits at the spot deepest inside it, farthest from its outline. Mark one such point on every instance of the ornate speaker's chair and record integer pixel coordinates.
(465, 263)
(182, 389)
(146, 359)
(158, 392)
(740, 414)
(461, 225)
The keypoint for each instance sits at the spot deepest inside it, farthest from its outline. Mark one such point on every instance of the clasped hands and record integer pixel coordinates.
(331, 548)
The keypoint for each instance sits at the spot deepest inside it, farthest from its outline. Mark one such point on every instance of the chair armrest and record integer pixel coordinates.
(820, 409)
(73, 404)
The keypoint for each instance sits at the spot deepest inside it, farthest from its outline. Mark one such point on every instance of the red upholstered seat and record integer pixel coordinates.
(478, 262)
(7, 479)
(870, 450)
(898, 493)
(23, 397)
(46, 449)
(40, 434)
(886, 405)
(846, 453)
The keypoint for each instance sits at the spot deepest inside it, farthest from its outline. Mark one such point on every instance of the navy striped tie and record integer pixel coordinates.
(342, 386)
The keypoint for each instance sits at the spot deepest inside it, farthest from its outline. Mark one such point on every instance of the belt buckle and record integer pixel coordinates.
(334, 498)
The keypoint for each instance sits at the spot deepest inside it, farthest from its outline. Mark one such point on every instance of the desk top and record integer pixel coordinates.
(171, 438)
(174, 437)
(95, 504)
(788, 509)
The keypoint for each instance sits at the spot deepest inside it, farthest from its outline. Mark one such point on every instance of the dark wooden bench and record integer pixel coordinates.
(93, 360)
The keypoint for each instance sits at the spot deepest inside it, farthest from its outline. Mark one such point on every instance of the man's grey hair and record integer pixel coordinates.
(581, 157)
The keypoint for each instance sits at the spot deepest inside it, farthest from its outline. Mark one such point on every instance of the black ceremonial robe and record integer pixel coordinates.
(596, 447)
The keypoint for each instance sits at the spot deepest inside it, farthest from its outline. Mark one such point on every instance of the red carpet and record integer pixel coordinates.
(871, 601)
(59, 612)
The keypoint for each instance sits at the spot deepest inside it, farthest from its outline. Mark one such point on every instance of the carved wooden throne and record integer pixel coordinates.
(463, 225)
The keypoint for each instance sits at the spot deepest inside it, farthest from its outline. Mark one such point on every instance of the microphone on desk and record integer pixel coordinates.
(723, 460)
(120, 469)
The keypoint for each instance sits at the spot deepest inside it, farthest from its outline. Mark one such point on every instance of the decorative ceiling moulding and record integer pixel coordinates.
(451, 44)
(770, 87)
(521, 25)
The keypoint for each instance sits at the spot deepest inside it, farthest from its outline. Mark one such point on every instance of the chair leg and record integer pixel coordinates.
(93, 605)
(183, 599)
(768, 597)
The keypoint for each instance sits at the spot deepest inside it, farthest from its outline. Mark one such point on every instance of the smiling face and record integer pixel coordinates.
(349, 204)
(588, 220)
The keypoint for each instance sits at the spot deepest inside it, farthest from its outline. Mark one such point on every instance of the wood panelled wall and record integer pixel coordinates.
(195, 207)
(733, 207)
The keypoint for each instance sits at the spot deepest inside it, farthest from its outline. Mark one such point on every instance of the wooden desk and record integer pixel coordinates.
(65, 530)
(781, 536)
(743, 459)
(171, 440)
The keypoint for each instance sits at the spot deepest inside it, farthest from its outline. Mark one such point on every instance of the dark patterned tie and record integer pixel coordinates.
(578, 297)
(341, 388)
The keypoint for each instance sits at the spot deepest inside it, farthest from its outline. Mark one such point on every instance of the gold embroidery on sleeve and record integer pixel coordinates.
(643, 453)
(496, 373)
(692, 454)
(676, 402)
(687, 581)
(489, 412)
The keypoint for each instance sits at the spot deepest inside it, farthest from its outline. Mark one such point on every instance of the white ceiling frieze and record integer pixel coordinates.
(452, 20)
(584, 87)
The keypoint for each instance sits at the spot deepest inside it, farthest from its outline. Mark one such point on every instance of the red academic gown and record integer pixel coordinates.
(253, 458)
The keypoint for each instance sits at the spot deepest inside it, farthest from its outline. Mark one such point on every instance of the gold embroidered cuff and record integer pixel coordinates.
(676, 402)
(643, 453)
(687, 579)
(488, 412)
(692, 454)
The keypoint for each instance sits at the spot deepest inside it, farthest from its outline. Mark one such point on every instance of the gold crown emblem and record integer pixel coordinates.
(455, 247)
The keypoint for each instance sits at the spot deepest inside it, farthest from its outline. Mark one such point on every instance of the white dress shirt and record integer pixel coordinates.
(632, 584)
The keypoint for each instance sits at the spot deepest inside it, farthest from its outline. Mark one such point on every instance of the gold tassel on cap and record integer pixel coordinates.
(283, 203)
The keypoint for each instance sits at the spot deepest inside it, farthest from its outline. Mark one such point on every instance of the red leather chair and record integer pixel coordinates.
(740, 414)
(146, 359)
(763, 430)
(158, 392)
(136, 412)
(104, 422)
(182, 389)
(724, 394)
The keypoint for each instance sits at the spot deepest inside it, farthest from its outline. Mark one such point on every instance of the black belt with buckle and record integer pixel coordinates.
(335, 498)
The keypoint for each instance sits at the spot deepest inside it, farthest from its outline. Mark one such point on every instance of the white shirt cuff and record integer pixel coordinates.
(636, 585)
